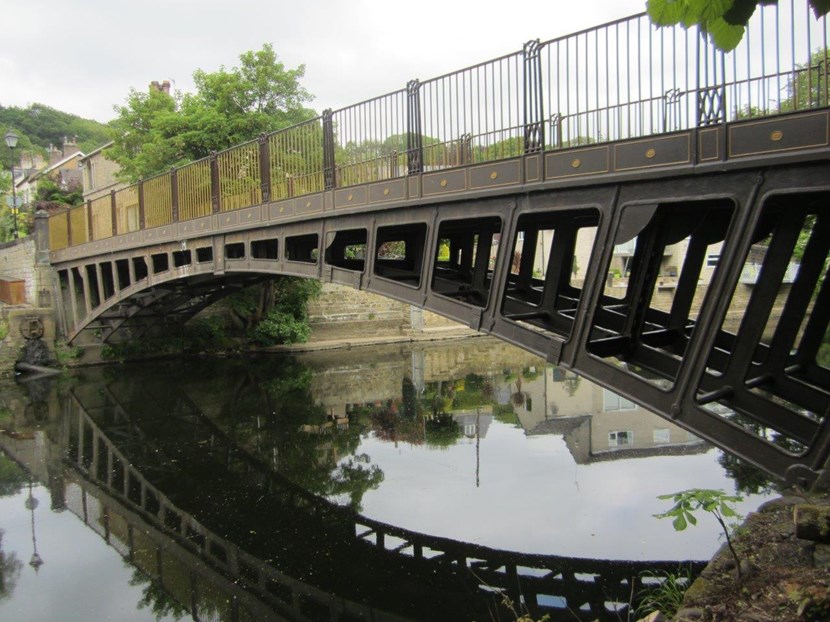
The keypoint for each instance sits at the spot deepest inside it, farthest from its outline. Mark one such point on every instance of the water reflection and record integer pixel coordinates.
(215, 481)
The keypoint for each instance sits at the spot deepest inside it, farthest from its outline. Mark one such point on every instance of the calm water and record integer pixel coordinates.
(409, 483)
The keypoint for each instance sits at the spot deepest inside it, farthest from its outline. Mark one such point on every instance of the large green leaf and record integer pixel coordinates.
(725, 36)
(666, 12)
(820, 7)
(740, 12)
(709, 9)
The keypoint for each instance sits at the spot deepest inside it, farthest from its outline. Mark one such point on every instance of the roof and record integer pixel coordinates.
(96, 151)
(51, 167)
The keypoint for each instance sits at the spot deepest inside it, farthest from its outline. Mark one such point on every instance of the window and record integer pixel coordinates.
(611, 402)
(661, 436)
(621, 438)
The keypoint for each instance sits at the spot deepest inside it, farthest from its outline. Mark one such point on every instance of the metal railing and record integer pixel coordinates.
(621, 80)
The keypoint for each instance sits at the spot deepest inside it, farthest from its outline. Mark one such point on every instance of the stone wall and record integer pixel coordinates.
(342, 312)
(17, 262)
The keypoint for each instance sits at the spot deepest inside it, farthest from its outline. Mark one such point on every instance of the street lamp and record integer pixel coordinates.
(11, 143)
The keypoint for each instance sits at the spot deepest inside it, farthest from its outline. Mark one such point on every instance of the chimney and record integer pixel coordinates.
(55, 155)
(70, 146)
(163, 87)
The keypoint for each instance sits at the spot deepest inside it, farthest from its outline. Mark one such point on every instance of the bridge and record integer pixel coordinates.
(625, 201)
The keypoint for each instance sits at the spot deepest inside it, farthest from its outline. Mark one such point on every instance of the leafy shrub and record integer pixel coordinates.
(278, 327)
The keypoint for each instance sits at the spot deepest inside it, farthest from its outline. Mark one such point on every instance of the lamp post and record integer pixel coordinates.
(11, 143)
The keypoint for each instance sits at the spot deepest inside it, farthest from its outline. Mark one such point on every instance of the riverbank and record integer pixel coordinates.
(785, 571)
(443, 333)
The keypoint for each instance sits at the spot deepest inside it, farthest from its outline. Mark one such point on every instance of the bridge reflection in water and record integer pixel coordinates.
(191, 497)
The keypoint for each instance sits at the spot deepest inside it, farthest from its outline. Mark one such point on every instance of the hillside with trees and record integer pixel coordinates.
(39, 126)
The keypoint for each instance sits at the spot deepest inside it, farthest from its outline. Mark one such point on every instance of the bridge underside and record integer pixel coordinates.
(701, 297)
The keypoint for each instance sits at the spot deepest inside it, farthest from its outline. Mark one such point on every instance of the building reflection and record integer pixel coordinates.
(597, 424)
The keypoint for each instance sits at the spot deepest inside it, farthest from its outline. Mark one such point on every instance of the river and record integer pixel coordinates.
(445, 481)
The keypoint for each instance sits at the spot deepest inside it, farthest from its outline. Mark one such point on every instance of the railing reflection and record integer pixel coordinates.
(120, 457)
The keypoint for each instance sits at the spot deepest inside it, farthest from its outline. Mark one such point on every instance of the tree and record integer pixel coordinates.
(49, 191)
(155, 130)
(145, 135)
(39, 126)
(723, 20)
(715, 502)
(808, 88)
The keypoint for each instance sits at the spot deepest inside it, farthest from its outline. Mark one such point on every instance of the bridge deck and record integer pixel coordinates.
(683, 269)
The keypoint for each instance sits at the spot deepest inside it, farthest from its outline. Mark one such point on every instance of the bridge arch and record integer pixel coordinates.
(511, 265)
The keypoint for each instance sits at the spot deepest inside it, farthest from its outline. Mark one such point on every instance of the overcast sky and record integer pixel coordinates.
(83, 56)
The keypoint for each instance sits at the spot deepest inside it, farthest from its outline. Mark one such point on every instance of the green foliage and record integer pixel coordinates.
(10, 568)
(505, 414)
(689, 501)
(12, 477)
(441, 432)
(749, 479)
(145, 135)
(807, 88)
(287, 320)
(197, 335)
(154, 130)
(64, 353)
(723, 20)
(156, 598)
(24, 145)
(39, 126)
(48, 190)
(663, 592)
(280, 327)
(4, 329)
(715, 502)
(206, 334)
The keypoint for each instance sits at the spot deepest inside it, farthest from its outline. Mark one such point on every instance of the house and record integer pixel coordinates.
(99, 174)
(62, 170)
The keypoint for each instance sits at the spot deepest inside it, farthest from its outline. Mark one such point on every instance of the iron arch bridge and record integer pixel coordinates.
(625, 202)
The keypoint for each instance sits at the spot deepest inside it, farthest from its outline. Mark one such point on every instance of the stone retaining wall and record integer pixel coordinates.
(342, 312)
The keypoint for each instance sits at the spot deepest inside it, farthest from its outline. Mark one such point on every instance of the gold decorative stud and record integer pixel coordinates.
(350, 197)
(776, 136)
(308, 203)
(494, 175)
(443, 183)
(576, 163)
(651, 153)
(385, 191)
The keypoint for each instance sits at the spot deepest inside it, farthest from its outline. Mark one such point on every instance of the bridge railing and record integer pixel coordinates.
(294, 160)
(621, 80)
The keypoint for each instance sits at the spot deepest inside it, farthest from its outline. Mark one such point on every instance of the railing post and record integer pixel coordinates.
(90, 229)
(711, 99)
(534, 126)
(141, 219)
(114, 214)
(329, 178)
(264, 168)
(41, 238)
(214, 182)
(174, 195)
(414, 139)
